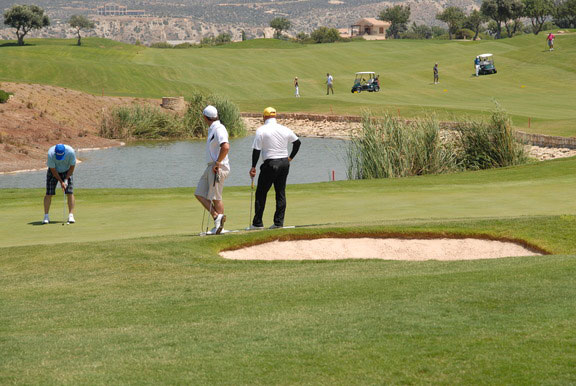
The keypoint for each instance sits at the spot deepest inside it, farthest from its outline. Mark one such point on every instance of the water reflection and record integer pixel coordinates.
(180, 164)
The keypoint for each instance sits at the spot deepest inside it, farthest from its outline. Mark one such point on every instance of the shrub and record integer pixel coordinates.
(161, 45)
(465, 33)
(4, 96)
(325, 35)
(228, 113)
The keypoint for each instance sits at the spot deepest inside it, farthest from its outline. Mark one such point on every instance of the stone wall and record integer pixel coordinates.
(173, 103)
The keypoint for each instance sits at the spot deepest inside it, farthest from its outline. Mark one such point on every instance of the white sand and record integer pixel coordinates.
(388, 249)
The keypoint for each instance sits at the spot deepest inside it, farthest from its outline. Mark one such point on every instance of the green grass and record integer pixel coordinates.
(130, 295)
(532, 83)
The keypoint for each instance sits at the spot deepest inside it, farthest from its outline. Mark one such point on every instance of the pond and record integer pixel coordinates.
(180, 164)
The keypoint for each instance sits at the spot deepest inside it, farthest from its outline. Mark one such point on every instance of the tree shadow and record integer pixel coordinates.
(16, 45)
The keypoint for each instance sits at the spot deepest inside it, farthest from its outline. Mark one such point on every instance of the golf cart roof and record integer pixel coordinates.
(365, 72)
(485, 55)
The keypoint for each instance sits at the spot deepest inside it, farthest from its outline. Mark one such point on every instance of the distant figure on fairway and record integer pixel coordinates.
(550, 40)
(435, 69)
(211, 184)
(329, 84)
(296, 88)
(61, 163)
(272, 141)
(477, 65)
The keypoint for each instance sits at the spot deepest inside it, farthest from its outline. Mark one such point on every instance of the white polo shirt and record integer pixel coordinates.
(273, 139)
(217, 135)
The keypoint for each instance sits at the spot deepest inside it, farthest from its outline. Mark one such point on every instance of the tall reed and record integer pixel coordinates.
(228, 113)
(389, 147)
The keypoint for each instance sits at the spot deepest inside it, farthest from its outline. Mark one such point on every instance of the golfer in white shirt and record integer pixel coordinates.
(211, 184)
(272, 141)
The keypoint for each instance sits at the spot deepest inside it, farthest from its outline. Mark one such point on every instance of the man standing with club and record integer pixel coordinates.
(61, 163)
(329, 84)
(272, 141)
(211, 184)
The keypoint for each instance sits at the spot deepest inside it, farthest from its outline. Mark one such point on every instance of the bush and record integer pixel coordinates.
(4, 96)
(325, 35)
(465, 33)
(161, 45)
(228, 113)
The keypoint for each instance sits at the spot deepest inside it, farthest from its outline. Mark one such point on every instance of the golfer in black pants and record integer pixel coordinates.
(272, 141)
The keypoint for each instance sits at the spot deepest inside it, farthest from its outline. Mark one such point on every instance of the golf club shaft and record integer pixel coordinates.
(251, 198)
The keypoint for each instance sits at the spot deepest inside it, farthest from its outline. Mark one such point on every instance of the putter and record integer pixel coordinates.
(212, 199)
(64, 222)
(251, 196)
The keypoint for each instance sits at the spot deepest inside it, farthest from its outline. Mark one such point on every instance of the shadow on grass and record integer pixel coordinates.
(16, 45)
(37, 223)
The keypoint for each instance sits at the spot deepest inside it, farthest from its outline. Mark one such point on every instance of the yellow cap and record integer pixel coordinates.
(269, 112)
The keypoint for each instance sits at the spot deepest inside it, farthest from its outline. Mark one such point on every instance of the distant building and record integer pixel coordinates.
(112, 9)
(369, 28)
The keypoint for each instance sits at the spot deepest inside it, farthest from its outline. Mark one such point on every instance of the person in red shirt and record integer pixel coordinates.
(550, 40)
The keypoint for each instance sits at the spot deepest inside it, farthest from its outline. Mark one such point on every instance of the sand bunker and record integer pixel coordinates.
(373, 248)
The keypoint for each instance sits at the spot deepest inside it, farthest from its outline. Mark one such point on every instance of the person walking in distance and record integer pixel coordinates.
(550, 40)
(435, 70)
(329, 84)
(61, 163)
(211, 184)
(477, 65)
(296, 88)
(272, 141)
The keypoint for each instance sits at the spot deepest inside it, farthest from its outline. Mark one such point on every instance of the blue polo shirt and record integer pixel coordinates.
(65, 163)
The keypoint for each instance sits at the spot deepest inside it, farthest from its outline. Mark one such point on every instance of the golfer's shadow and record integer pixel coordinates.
(36, 223)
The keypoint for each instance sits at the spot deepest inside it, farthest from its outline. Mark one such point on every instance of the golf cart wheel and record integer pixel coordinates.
(494, 71)
(376, 88)
(359, 90)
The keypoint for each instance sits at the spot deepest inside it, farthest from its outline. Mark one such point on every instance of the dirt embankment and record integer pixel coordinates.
(38, 117)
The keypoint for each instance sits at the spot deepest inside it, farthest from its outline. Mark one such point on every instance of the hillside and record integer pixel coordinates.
(531, 83)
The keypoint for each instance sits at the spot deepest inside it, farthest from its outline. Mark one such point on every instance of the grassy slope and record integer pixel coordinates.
(545, 188)
(258, 73)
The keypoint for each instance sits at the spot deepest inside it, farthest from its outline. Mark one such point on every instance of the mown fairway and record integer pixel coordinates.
(531, 82)
(167, 309)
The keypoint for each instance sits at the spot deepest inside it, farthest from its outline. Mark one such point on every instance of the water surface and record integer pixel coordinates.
(180, 164)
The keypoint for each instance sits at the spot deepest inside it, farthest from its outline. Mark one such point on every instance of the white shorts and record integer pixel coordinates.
(207, 187)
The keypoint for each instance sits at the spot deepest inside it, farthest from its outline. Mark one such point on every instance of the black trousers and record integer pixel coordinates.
(272, 172)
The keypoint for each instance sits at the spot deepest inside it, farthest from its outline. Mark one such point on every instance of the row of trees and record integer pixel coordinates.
(25, 18)
(319, 35)
(501, 13)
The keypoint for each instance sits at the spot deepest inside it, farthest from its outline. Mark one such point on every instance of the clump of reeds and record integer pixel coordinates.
(142, 122)
(390, 147)
(148, 122)
(228, 113)
(490, 144)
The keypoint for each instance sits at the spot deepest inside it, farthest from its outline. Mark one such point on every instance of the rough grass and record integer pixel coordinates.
(531, 82)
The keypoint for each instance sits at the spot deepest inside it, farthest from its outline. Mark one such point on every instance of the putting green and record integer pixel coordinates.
(531, 83)
(545, 188)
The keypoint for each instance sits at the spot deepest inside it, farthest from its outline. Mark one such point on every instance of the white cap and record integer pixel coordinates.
(210, 112)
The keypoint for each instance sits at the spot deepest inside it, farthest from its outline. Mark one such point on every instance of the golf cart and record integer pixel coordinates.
(366, 81)
(486, 64)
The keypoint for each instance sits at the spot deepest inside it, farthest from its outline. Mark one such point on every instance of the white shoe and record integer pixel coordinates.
(254, 228)
(274, 226)
(71, 218)
(46, 219)
(219, 223)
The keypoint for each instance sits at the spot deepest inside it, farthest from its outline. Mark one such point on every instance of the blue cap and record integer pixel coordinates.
(60, 151)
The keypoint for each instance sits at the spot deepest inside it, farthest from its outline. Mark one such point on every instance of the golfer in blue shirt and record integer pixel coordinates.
(61, 163)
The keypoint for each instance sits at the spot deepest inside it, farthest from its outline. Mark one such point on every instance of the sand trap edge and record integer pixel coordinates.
(386, 235)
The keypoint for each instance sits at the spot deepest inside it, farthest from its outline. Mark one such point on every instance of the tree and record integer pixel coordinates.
(515, 24)
(280, 24)
(538, 12)
(454, 17)
(420, 31)
(243, 35)
(501, 11)
(25, 18)
(565, 15)
(398, 17)
(79, 23)
(325, 35)
(474, 22)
